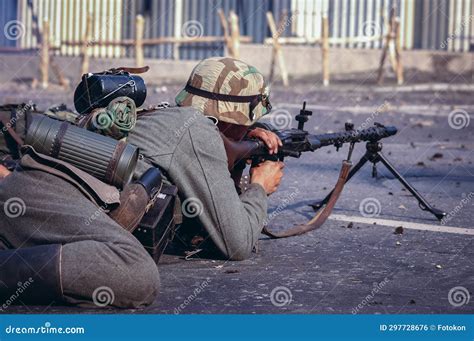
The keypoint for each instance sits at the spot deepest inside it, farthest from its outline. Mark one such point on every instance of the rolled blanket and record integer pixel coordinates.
(116, 120)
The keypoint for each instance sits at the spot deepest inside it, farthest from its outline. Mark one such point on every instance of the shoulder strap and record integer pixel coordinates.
(321, 217)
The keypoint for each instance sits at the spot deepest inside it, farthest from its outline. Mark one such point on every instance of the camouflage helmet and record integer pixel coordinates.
(227, 89)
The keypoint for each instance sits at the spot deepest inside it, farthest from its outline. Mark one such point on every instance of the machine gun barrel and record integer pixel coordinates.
(371, 134)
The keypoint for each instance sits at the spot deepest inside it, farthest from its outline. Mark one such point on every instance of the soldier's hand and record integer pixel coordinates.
(271, 140)
(268, 174)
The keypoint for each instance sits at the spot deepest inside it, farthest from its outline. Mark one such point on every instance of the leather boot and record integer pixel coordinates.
(31, 275)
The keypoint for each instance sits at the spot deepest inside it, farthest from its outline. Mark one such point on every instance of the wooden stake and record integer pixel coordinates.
(277, 48)
(281, 28)
(44, 54)
(225, 30)
(325, 50)
(139, 29)
(391, 47)
(235, 34)
(398, 55)
(86, 41)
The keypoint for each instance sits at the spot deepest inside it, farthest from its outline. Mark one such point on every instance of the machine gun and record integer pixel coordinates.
(297, 140)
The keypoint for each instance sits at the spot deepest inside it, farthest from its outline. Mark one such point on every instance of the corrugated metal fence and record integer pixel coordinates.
(436, 24)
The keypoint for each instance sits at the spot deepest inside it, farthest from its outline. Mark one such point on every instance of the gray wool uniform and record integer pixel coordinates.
(97, 256)
(188, 147)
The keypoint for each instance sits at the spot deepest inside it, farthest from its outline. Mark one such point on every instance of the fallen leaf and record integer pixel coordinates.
(402, 207)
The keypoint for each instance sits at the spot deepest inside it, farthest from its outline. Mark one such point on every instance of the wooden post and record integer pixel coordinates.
(139, 29)
(277, 48)
(44, 54)
(281, 28)
(178, 24)
(86, 41)
(325, 50)
(235, 34)
(225, 30)
(398, 55)
(391, 47)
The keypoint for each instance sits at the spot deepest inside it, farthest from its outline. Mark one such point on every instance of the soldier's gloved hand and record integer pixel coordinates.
(271, 140)
(268, 174)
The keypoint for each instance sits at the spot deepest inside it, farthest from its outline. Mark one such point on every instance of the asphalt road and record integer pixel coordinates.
(360, 267)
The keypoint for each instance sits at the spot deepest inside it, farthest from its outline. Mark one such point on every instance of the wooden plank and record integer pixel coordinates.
(44, 55)
(325, 50)
(140, 27)
(398, 56)
(235, 34)
(281, 28)
(225, 31)
(156, 41)
(277, 48)
(86, 40)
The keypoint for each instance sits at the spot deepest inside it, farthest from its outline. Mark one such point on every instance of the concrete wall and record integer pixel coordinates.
(301, 61)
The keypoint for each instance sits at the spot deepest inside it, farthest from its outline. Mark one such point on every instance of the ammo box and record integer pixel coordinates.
(157, 226)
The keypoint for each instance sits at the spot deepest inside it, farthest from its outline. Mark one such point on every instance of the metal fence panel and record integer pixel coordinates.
(12, 28)
(425, 24)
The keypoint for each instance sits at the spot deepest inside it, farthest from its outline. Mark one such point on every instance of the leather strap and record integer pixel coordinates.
(321, 217)
(135, 70)
(13, 134)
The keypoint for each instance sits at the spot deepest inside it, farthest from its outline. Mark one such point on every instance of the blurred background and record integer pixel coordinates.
(314, 37)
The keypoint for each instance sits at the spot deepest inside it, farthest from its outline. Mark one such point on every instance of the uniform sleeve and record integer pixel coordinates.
(199, 169)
